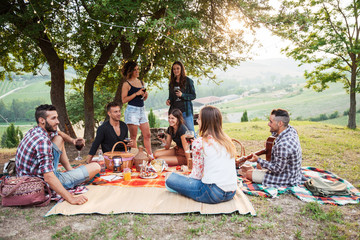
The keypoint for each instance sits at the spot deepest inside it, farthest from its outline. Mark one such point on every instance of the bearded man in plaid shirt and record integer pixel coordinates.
(284, 169)
(42, 149)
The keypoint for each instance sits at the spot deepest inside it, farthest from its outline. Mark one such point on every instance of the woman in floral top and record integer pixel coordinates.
(213, 178)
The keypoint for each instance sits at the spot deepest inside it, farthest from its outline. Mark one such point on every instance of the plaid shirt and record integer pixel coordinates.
(285, 165)
(34, 156)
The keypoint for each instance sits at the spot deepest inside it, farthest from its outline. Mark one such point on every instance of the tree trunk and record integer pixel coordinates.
(57, 92)
(89, 90)
(352, 110)
(118, 97)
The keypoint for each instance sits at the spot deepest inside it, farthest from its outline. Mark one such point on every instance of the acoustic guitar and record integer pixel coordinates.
(269, 144)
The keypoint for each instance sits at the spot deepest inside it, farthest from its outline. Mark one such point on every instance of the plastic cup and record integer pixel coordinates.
(127, 174)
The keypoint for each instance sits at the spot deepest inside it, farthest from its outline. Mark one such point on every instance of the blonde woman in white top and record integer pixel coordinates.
(213, 178)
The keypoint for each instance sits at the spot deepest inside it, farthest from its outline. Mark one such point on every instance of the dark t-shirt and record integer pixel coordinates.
(180, 104)
(106, 136)
(177, 136)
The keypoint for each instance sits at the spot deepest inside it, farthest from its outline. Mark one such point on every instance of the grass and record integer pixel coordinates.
(323, 145)
(326, 146)
(34, 90)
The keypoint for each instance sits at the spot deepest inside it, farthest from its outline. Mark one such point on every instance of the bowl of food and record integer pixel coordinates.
(159, 165)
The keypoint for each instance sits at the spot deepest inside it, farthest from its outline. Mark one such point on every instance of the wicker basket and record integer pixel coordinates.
(240, 149)
(127, 158)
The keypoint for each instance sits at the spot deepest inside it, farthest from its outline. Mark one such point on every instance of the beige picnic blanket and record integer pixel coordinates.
(148, 200)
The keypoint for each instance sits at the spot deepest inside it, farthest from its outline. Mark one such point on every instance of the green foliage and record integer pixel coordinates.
(18, 110)
(320, 35)
(323, 117)
(154, 33)
(11, 137)
(75, 105)
(244, 117)
(152, 120)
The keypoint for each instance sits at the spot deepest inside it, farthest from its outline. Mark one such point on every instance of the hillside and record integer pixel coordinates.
(261, 84)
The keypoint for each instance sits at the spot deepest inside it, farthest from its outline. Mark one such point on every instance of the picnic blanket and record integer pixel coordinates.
(135, 181)
(148, 200)
(301, 192)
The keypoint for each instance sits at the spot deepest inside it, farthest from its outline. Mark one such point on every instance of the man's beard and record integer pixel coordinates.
(48, 127)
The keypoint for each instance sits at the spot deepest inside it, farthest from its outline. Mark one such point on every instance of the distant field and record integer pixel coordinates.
(343, 121)
(34, 90)
(305, 104)
(6, 86)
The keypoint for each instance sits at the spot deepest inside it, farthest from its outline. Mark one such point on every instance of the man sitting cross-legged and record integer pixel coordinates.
(284, 169)
(41, 150)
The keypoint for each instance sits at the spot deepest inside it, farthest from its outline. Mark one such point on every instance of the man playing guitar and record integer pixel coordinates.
(284, 168)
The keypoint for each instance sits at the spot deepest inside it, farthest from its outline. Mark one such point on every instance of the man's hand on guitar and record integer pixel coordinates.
(254, 158)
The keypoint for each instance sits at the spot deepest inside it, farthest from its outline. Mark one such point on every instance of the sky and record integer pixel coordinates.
(271, 45)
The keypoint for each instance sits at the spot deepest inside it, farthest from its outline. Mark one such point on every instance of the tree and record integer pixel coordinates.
(95, 37)
(244, 117)
(33, 33)
(11, 137)
(325, 33)
(75, 105)
(152, 120)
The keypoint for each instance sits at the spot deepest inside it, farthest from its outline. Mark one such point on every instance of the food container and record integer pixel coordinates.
(140, 157)
(126, 158)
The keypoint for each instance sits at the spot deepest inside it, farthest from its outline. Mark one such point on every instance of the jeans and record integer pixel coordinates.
(197, 190)
(189, 121)
(72, 178)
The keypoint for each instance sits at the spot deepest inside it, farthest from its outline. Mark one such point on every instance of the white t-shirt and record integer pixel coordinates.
(213, 164)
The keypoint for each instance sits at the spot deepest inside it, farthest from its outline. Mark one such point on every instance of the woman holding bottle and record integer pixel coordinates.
(181, 93)
(213, 177)
(134, 94)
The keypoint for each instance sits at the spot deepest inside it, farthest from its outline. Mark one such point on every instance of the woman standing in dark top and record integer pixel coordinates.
(181, 99)
(134, 93)
(176, 131)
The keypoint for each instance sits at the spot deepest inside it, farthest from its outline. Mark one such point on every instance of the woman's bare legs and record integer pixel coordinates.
(133, 133)
(169, 156)
(145, 130)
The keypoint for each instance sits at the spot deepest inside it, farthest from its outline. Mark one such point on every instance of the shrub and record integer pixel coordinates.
(334, 115)
(11, 137)
(244, 117)
(152, 120)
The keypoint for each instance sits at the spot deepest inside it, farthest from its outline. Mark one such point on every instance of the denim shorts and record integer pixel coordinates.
(135, 115)
(72, 178)
(197, 190)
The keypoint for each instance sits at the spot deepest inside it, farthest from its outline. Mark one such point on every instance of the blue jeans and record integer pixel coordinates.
(189, 121)
(197, 190)
(72, 178)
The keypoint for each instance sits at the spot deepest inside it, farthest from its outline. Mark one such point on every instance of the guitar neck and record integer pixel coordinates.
(244, 159)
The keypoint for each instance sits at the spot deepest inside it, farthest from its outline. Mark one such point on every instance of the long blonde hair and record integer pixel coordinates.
(211, 124)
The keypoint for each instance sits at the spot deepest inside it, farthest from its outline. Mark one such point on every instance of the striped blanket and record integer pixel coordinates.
(301, 191)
